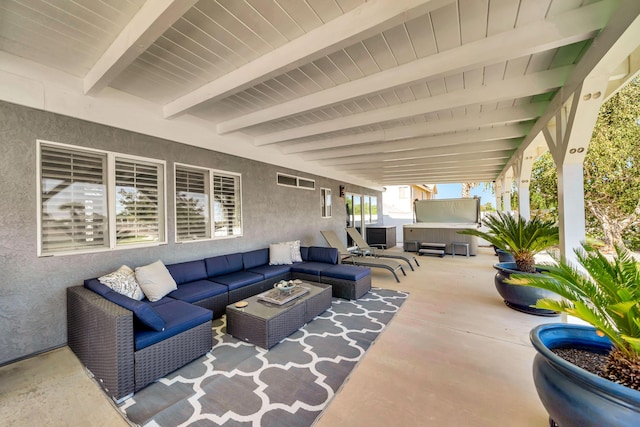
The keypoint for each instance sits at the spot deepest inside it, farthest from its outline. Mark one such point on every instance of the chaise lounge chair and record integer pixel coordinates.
(376, 252)
(349, 258)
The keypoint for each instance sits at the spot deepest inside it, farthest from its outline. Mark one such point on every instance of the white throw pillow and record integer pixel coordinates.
(280, 253)
(123, 281)
(296, 256)
(155, 280)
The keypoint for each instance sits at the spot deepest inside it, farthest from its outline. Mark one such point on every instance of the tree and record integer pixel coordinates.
(611, 173)
(543, 187)
(612, 165)
(466, 189)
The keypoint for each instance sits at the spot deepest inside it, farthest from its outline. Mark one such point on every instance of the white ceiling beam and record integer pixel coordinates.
(485, 118)
(519, 87)
(497, 145)
(393, 147)
(461, 177)
(493, 171)
(615, 43)
(560, 30)
(149, 23)
(372, 17)
(440, 160)
(457, 167)
(458, 179)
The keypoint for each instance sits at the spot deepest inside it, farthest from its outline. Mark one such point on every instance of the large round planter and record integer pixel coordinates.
(520, 298)
(504, 256)
(571, 395)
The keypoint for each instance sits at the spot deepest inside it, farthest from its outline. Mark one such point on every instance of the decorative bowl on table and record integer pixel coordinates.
(285, 286)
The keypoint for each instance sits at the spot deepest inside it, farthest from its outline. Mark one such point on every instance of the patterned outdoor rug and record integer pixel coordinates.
(238, 384)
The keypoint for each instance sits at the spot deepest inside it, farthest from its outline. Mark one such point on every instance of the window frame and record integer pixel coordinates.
(207, 171)
(297, 179)
(109, 174)
(327, 205)
(211, 174)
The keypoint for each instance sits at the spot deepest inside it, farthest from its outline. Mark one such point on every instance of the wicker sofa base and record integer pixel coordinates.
(157, 360)
(100, 333)
(348, 289)
(312, 278)
(217, 303)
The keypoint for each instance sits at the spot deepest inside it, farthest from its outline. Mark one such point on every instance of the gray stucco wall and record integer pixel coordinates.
(32, 289)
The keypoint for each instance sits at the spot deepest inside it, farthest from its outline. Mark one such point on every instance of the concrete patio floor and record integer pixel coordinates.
(454, 355)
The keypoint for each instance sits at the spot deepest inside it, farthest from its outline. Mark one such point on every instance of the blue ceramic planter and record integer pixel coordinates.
(504, 256)
(520, 298)
(571, 395)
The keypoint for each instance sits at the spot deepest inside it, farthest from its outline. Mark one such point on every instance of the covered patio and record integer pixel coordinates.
(453, 355)
(298, 102)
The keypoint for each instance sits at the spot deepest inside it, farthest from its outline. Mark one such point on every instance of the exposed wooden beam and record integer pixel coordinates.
(497, 145)
(559, 30)
(436, 175)
(519, 87)
(417, 170)
(394, 147)
(372, 17)
(616, 42)
(443, 180)
(152, 20)
(486, 118)
(440, 160)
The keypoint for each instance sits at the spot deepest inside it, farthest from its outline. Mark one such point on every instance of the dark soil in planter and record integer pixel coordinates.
(587, 360)
(596, 363)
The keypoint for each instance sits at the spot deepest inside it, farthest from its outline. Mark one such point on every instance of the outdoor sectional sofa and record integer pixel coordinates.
(127, 344)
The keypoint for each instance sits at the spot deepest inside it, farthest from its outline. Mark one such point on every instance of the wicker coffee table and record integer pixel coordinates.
(266, 324)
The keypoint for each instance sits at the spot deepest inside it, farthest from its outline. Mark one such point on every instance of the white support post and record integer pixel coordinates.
(571, 206)
(568, 145)
(522, 184)
(522, 171)
(497, 188)
(507, 180)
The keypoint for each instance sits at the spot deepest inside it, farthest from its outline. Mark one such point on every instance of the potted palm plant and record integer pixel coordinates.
(523, 239)
(606, 296)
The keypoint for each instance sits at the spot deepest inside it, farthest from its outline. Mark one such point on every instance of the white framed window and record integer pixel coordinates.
(193, 203)
(370, 209)
(227, 204)
(208, 203)
(325, 194)
(374, 209)
(295, 181)
(91, 200)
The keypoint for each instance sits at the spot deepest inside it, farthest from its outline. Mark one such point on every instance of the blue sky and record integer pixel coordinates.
(452, 191)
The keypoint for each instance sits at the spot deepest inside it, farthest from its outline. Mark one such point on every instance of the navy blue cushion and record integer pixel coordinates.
(235, 262)
(346, 272)
(216, 266)
(179, 317)
(255, 258)
(304, 252)
(97, 287)
(238, 279)
(190, 271)
(223, 264)
(269, 271)
(320, 254)
(142, 310)
(198, 290)
(308, 267)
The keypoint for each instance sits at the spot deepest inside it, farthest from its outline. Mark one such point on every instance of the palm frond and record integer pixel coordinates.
(522, 238)
(606, 294)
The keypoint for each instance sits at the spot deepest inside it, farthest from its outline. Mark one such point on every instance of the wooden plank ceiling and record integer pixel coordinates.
(392, 92)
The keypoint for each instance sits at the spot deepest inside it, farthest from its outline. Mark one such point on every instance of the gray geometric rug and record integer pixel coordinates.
(239, 384)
